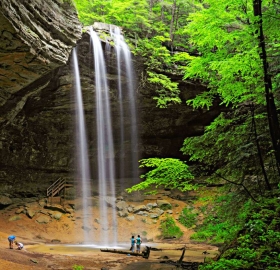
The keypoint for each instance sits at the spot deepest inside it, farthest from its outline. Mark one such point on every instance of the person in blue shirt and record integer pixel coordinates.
(132, 243)
(11, 240)
(138, 244)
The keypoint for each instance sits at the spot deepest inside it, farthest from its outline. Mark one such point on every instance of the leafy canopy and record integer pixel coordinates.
(167, 172)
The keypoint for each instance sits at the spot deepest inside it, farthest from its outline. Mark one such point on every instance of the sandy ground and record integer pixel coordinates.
(38, 254)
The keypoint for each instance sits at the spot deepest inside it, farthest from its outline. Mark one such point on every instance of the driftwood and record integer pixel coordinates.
(145, 253)
(161, 249)
(181, 264)
(121, 252)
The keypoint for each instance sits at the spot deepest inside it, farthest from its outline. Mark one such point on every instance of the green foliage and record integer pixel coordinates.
(166, 207)
(188, 217)
(225, 36)
(230, 63)
(77, 267)
(144, 233)
(167, 172)
(256, 244)
(228, 150)
(167, 91)
(227, 216)
(155, 27)
(169, 229)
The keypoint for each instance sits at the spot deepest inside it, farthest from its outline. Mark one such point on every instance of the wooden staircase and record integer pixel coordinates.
(55, 188)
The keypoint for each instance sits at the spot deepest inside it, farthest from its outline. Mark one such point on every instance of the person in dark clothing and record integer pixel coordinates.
(132, 243)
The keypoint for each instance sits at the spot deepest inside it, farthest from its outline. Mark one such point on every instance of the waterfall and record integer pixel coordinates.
(106, 155)
(118, 49)
(124, 55)
(83, 172)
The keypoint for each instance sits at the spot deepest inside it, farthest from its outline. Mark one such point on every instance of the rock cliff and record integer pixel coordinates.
(37, 109)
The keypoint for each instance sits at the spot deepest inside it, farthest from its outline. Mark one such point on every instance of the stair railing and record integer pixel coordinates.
(56, 187)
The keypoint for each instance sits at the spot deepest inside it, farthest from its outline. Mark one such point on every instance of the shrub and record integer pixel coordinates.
(188, 217)
(77, 267)
(169, 229)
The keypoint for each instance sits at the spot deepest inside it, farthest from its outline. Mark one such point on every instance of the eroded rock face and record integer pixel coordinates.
(37, 135)
(35, 38)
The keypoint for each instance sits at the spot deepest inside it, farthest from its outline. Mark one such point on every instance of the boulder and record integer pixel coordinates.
(151, 205)
(121, 205)
(20, 210)
(142, 213)
(5, 200)
(43, 219)
(56, 215)
(13, 218)
(164, 205)
(130, 218)
(30, 212)
(123, 213)
(139, 208)
(55, 207)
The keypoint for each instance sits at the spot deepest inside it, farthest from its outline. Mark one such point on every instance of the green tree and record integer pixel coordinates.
(226, 35)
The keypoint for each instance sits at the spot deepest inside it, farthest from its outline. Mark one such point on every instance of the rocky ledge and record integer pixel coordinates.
(35, 38)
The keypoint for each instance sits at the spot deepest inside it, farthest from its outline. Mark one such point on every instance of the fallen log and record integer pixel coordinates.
(121, 252)
(145, 253)
(161, 249)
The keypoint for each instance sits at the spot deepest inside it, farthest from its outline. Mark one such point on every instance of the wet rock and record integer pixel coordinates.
(5, 200)
(55, 241)
(97, 220)
(87, 229)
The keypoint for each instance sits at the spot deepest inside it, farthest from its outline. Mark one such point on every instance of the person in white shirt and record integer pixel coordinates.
(19, 245)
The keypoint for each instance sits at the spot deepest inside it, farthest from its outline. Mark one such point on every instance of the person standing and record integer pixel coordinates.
(11, 240)
(132, 243)
(138, 243)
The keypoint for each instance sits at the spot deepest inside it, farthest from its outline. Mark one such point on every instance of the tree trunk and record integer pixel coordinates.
(171, 30)
(274, 127)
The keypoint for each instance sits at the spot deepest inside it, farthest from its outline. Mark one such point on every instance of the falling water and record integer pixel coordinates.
(118, 49)
(106, 167)
(82, 150)
(123, 54)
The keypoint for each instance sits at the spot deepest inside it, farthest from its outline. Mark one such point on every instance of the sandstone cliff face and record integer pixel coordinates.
(37, 141)
(36, 37)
